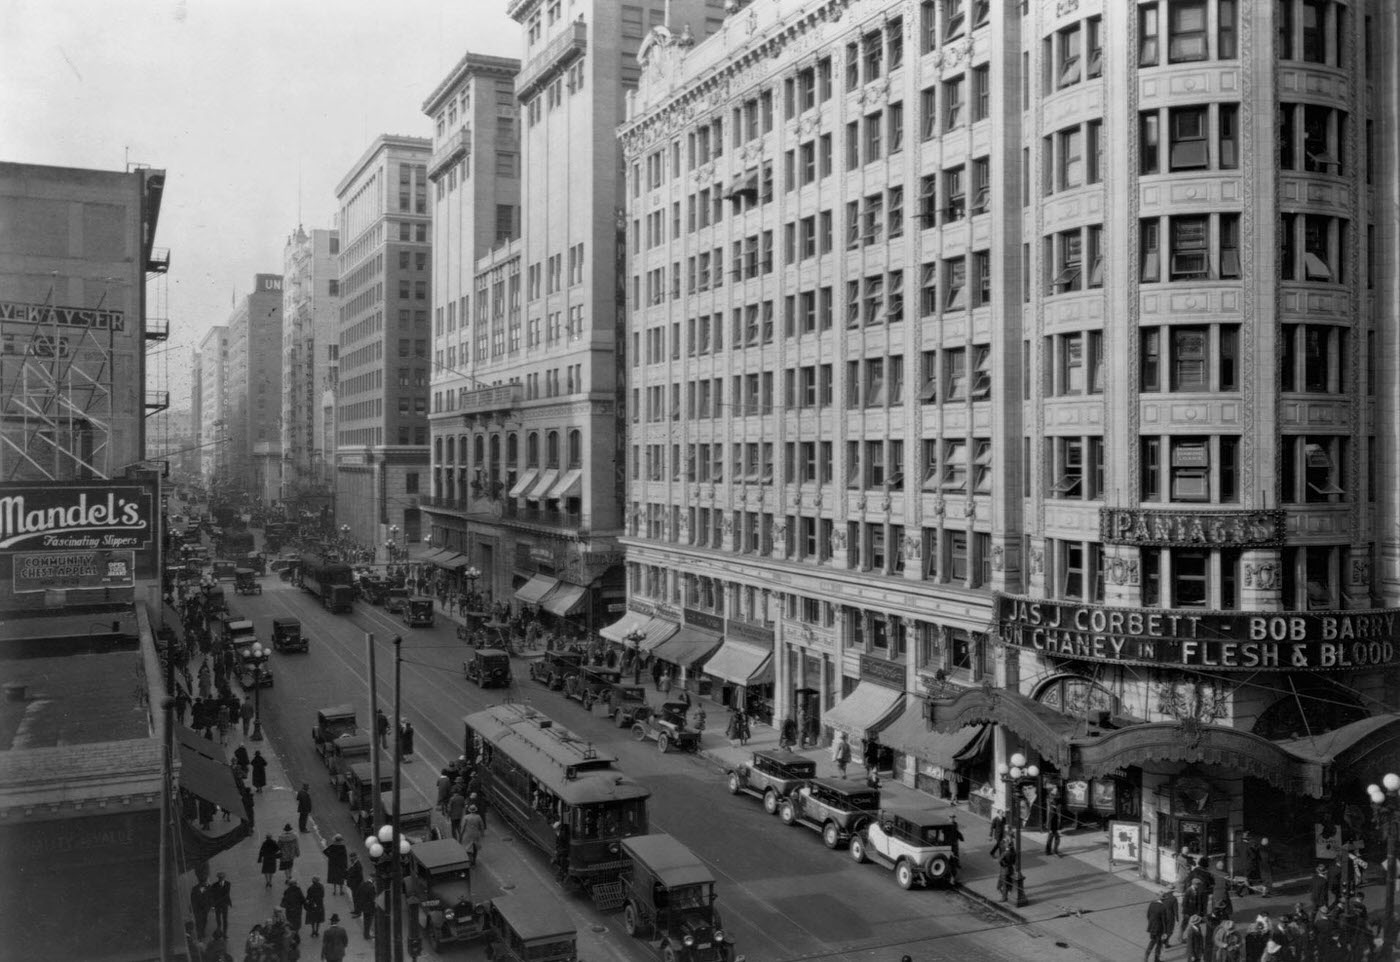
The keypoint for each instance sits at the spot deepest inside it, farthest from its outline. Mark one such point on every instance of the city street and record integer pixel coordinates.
(783, 895)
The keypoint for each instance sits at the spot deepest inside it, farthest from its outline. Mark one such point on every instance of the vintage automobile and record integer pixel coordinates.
(836, 808)
(371, 589)
(667, 727)
(395, 599)
(287, 636)
(488, 667)
(669, 901)
(359, 783)
(772, 776)
(233, 630)
(555, 667)
(590, 682)
(439, 884)
(626, 703)
(245, 582)
(419, 820)
(918, 844)
(215, 602)
(331, 723)
(530, 925)
(344, 752)
(418, 612)
(225, 570)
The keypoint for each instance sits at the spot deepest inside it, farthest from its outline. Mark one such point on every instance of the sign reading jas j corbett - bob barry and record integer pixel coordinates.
(1243, 641)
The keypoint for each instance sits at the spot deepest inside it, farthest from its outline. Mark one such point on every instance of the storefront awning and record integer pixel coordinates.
(910, 733)
(1041, 727)
(687, 646)
(525, 481)
(867, 709)
(564, 599)
(569, 485)
(197, 743)
(535, 589)
(624, 626)
(658, 630)
(450, 560)
(541, 488)
(206, 778)
(741, 663)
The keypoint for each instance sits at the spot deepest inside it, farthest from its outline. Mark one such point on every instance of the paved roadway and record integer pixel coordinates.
(783, 895)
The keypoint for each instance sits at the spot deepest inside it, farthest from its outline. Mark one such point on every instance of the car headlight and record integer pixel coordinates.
(719, 935)
(449, 915)
(689, 940)
(612, 849)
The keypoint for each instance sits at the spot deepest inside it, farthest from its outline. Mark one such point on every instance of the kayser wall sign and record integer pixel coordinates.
(1242, 641)
(75, 516)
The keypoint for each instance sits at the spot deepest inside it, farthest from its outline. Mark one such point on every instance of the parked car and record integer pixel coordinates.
(626, 703)
(245, 582)
(838, 809)
(360, 787)
(590, 682)
(919, 845)
(530, 925)
(667, 727)
(418, 612)
(395, 600)
(344, 752)
(771, 776)
(669, 901)
(287, 636)
(331, 723)
(419, 819)
(555, 667)
(488, 667)
(439, 886)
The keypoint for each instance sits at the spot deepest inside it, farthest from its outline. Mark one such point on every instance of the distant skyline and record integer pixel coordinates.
(255, 108)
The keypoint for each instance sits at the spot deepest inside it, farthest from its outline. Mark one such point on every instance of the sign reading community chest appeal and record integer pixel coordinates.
(75, 516)
(41, 570)
(1243, 641)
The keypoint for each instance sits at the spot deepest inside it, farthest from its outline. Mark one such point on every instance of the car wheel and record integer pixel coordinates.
(831, 835)
(858, 848)
(639, 733)
(668, 954)
(787, 813)
(734, 784)
(939, 868)
(904, 875)
(770, 802)
(663, 743)
(632, 921)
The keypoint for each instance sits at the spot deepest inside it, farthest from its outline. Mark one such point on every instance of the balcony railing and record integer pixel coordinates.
(503, 397)
(557, 54)
(159, 261)
(157, 401)
(157, 328)
(532, 514)
(454, 145)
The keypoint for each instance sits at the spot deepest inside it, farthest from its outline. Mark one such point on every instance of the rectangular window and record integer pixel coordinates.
(1186, 25)
(1189, 149)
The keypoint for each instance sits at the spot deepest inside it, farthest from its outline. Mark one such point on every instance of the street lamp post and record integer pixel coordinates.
(1015, 777)
(471, 573)
(1385, 807)
(380, 847)
(393, 541)
(255, 658)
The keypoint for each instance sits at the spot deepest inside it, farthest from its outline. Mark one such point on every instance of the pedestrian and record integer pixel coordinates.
(334, 941)
(1052, 829)
(1193, 932)
(241, 762)
(997, 831)
(1184, 862)
(246, 793)
(256, 947)
(221, 900)
(841, 752)
(871, 753)
(336, 864)
(406, 738)
(303, 806)
(700, 719)
(1226, 943)
(666, 682)
(1319, 888)
(787, 735)
(444, 790)
(1161, 919)
(268, 853)
(288, 850)
(1006, 878)
(293, 902)
(199, 907)
(259, 766)
(656, 670)
(743, 722)
(364, 905)
(1202, 871)
(222, 721)
(456, 811)
(381, 723)
(1194, 901)
(315, 906)
(354, 875)
(473, 828)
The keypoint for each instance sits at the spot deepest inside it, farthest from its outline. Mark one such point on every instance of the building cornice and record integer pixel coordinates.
(382, 144)
(471, 64)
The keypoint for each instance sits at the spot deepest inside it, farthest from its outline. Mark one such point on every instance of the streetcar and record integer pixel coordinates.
(558, 791)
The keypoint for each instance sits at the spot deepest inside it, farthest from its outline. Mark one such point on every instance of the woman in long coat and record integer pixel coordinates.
(288, 849)
(293, 901)
(259, 766)
(268, 855)
(336, 859)
(354, 875)
(315, 905)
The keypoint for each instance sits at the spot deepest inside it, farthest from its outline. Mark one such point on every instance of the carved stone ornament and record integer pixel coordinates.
(817, 500)
(1065, 7)
(1037, 561)
(998, 557)
(838, 541)
(808, 125)
(940, 507)
(874, 94)
(1261, 574)
(1123, 571)
(911, 548)
(727, 525)
(780, 532)
(885, 502)
(1360, 571)
(860, 502)
(684, 526)
(970, 509)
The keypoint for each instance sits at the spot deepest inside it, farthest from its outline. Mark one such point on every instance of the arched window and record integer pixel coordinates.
(532, 450)
(575, 449)
(1072, 695)
(1314, 707)
(512, 449)
(551, 445)
(462, 450)
(437, 451)
(479, 462)
(495, 469)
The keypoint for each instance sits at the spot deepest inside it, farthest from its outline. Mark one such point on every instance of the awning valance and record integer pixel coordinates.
(910, 733)
(542, 486)
(524, 483)
(1041, 727)
(564, 600)
(568, 485)
(206, 778)
(535, 589)
(867, 709)
(741, 663)
(624, 626)
(687, 646)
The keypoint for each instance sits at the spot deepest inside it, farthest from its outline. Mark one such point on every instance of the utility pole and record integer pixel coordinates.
(396, 900)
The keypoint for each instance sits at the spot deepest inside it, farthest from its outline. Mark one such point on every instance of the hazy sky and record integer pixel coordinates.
(255, 108)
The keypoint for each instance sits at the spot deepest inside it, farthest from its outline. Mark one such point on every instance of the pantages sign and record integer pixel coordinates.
(76, 515)
(1172, 529)
(1188, 638)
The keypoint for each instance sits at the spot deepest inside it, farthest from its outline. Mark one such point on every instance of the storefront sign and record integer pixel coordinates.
(704, 619)
(641, 607)
(1235, 641)
(544, 555)
(76, 516)
(93, 318)
(1168, 529)
(40, 570)
(668, 612)
(1103, 795)
(748, 632)
(616, 607)
(887, 673)
(1077, 794)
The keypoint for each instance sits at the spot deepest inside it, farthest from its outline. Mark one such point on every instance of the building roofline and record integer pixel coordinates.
(469, 64)
(516, 9)
(381, 143)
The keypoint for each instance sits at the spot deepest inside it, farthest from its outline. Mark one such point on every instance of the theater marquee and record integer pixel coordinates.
(1229, 641)
(1180, 529)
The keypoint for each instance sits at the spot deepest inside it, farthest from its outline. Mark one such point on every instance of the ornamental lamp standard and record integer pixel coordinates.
(254, 660)
(1385, 808)
(393, 541)
(635, 637)
(471, 573)
(1016, 777)
(387, 868)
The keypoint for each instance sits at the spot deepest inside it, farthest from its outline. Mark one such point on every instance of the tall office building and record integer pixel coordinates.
(381, 416)
(310, 350)
(254, 390)
(213, 403)
(195, 459)
(1021, 378)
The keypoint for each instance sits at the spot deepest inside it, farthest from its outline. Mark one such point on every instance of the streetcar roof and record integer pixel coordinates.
(534, 914)
(671, 862)
(442, 853)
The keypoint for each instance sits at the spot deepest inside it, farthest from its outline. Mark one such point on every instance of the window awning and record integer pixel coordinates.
(867, 709)
(197, 743)
(741, 663)
(658, 630)
(450, 560)
(910, 733)
(546, 481)
(624, 626)
(687, 646)
(206, 778)
(565, 599)
(532, 591)
(525, 480)
(568, 485)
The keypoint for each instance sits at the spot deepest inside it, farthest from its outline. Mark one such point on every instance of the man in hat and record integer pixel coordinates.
(303, 807)
(221, 900)
(1161, 919)
(1195, 901)
(334, 941)
(1319, 888)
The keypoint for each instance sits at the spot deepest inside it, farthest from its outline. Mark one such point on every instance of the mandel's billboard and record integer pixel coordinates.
(97, 535)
